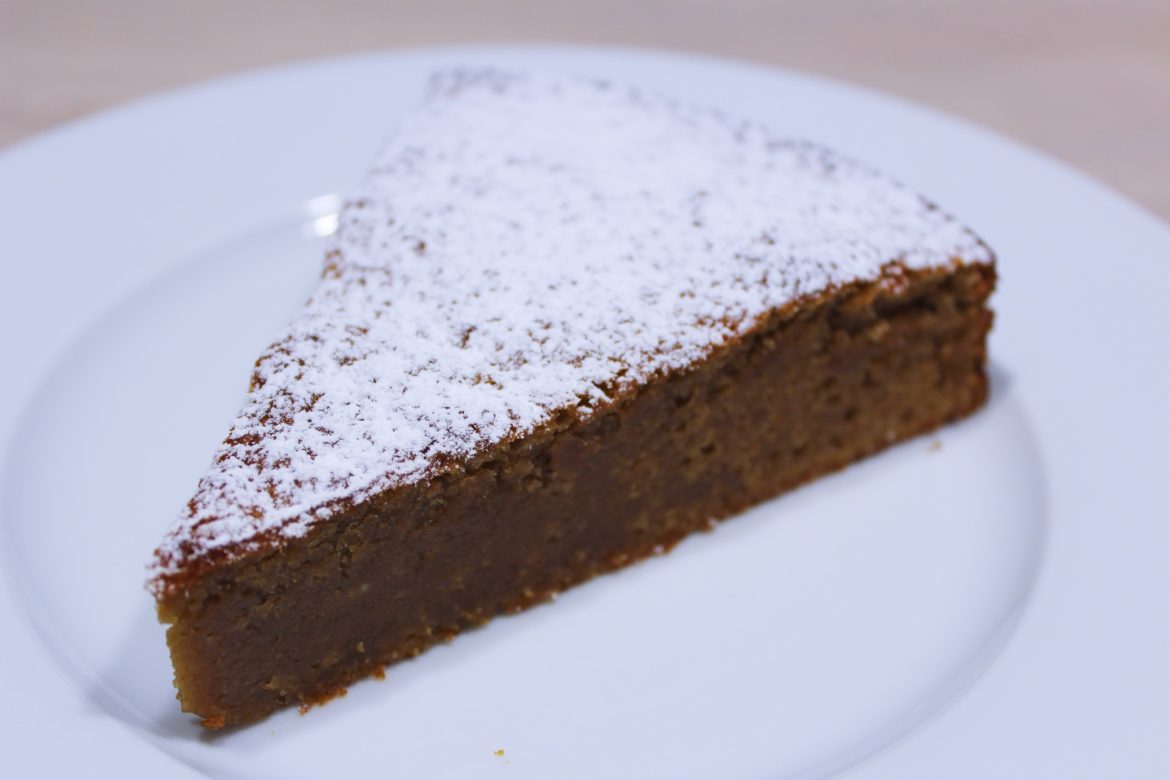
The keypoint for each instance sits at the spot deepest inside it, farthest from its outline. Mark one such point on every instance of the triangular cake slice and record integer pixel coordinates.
(562, 324)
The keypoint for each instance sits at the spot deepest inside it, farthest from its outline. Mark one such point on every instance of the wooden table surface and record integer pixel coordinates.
(1085, 80)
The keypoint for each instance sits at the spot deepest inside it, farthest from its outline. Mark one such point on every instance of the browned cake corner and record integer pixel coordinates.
(769, 363)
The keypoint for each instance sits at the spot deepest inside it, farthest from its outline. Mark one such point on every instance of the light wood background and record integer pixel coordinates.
(1085, 80)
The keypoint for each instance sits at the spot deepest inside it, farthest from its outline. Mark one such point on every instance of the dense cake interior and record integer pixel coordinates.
(805, 391)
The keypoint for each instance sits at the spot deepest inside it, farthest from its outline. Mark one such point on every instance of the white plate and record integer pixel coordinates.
(1002, 595)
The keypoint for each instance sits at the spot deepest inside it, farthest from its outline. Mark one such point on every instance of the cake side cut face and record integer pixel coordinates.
(527, 248)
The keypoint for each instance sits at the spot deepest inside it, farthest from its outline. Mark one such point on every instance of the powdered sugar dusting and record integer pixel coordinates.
(525, 244)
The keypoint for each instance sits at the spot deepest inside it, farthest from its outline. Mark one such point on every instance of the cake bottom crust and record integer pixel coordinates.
(800, 395)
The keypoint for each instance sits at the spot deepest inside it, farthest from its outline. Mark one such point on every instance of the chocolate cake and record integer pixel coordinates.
(562, 325)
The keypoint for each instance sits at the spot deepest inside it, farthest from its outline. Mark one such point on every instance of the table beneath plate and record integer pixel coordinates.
(1085, 80)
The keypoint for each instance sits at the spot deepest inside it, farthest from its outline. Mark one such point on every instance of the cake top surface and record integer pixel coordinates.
(523, 244)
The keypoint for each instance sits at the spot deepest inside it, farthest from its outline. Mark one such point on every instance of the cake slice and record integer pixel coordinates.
(562, 325)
